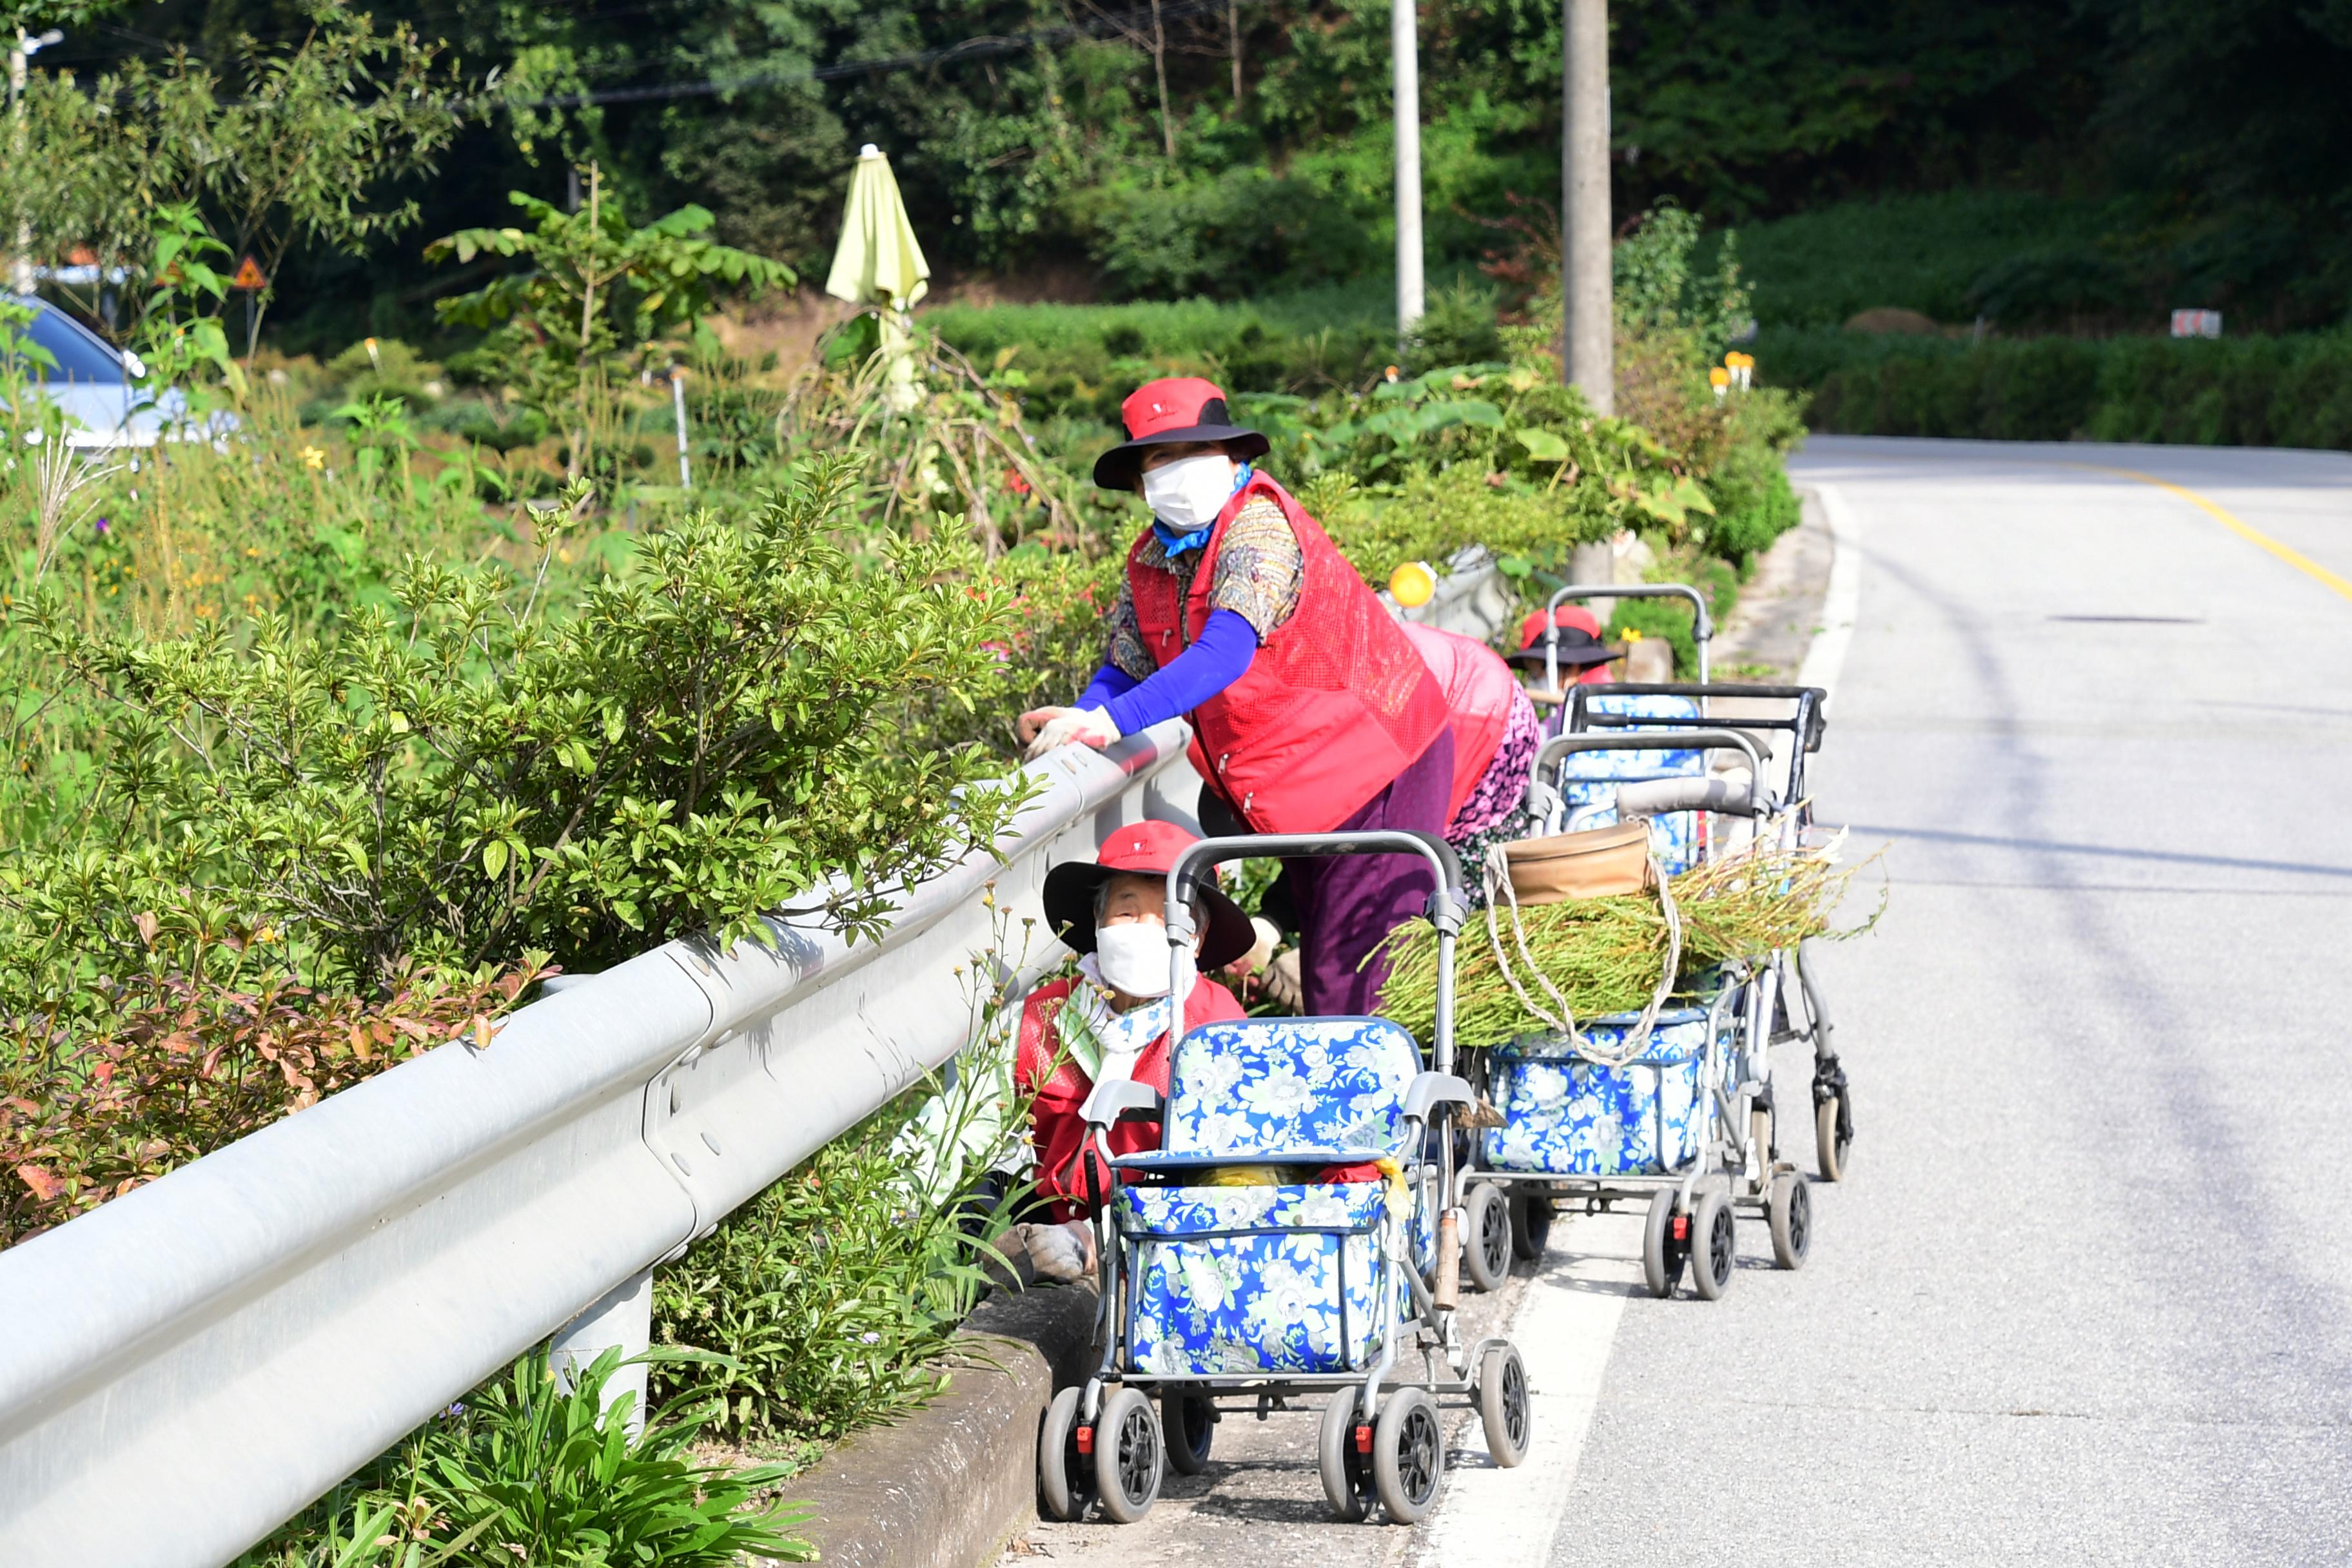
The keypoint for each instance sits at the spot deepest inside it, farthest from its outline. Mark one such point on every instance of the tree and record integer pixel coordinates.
(287, 148)
(595, 290)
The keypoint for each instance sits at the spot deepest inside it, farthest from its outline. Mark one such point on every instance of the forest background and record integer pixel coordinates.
(2046, 164)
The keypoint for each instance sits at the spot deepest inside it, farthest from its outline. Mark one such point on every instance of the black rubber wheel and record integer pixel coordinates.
(1502, 1408)
(1713, 1248)
(1530, 1227)
(1835, 1153)
(1408, 1456)
(1190, 1423)
(1066, 1478)
(1347, 1474)
(1128, 1455)
(1663, 1251)
(1790, 1211)
(1486, 1252)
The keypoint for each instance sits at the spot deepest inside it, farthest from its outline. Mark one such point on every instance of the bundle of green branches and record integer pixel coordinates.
(1604, 954)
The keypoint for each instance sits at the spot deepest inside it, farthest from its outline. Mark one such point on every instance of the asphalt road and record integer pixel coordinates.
(2087, 1296)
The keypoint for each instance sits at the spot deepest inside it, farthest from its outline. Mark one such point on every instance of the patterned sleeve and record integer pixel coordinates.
(1125, 649)
(1259, 568)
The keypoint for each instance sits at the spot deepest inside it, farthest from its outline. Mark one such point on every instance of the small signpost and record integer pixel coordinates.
(2196, 323)
(249, 281)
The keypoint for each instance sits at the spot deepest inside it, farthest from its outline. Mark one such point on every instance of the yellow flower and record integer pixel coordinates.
(314, 458)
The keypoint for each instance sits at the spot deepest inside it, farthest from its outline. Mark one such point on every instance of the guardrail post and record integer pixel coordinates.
(623, 1316)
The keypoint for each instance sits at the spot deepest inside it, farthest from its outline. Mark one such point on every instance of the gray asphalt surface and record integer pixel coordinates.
(2088, 1295)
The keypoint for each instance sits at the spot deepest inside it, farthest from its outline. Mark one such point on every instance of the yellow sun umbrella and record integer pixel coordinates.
(879, 262)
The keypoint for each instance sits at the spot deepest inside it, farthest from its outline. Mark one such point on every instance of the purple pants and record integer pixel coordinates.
(1346, 903)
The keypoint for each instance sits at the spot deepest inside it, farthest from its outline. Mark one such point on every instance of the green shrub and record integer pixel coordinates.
(705, 738)
(830, 1297)
(527, 1470)
(2252, 391)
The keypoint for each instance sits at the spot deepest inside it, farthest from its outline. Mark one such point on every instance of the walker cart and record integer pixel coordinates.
(1800, 710)
(1670, 1106)
(1324, 1279)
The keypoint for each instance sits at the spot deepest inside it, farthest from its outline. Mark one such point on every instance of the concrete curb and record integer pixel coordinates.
(948, 1486)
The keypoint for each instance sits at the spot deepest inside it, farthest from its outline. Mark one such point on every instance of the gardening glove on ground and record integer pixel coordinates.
(1068, 726)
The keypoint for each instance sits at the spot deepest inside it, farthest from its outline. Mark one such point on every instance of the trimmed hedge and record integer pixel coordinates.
(2293, 391)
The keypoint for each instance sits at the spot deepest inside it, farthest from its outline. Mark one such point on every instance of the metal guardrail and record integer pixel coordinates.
(186, 1367)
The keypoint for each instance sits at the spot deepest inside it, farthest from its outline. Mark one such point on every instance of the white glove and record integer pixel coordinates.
(1070, 726)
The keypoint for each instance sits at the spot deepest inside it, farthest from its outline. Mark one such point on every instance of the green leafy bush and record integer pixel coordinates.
(461, 776)
(2252, 390)
(829, 1299)
(529, 1470)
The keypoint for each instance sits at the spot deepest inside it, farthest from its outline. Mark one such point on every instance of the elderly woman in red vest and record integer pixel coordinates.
(1311, 713)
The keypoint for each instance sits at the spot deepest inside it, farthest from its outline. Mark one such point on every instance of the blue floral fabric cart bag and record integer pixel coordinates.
(1296, 1276)
(1565, 1116)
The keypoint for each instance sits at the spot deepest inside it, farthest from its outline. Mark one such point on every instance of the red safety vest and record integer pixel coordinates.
(1057, 1129)
(1336, 703)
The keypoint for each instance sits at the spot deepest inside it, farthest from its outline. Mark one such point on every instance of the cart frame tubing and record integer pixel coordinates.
(1806, 722)
(1555, 749)
(1702, 627)
(1447, 906)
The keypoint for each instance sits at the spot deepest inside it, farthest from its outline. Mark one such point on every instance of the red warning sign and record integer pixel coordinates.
(248, 276)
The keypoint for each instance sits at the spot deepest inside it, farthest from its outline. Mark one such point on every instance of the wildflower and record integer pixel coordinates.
(869, 1338)
(105, 525)
(314, 459)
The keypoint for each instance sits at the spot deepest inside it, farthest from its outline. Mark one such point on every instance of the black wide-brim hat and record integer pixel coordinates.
(1578, 651)
(1142, 849)
(1160, 413)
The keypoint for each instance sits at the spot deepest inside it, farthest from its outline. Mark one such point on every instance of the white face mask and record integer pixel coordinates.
(1132, 957)
(1190, 492)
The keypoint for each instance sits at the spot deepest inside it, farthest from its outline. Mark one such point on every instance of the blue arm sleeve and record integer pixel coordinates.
(1109, 681)
(1225, 647)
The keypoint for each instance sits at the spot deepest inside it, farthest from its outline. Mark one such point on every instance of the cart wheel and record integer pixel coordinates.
(1346, 1471)
(1487, 1258)
(1713, 1248)
(1065, 1479)
(1834, 1148)
(1408, 1456)
(1662, 1251)
(1503, 1406)
(1792, 1212)
(1190, 1421)
(1531, 1227)
(1128, 1454)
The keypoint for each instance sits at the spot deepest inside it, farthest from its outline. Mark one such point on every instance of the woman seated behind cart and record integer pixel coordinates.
(1109, 1021)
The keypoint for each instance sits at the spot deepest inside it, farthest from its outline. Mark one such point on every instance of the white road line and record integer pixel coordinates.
(1564, 1328)
(1566, 1321)
(1843, 602)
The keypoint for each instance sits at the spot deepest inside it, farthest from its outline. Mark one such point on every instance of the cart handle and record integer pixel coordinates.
(1558, 746)
(1446, 905)
(1702, 627)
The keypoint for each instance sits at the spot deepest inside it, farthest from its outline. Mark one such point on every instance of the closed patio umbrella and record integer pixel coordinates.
(879, 262)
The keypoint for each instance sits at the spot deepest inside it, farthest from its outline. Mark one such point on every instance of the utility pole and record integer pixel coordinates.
(20, 269)
(1587, 350)
(1404, 52)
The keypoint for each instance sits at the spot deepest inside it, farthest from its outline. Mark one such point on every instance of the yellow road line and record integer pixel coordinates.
(2295, 558)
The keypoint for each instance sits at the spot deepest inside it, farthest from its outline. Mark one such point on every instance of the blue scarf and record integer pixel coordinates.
(1174, 543)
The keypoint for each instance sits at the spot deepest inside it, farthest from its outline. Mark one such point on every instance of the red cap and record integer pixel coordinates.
(1568, 618)
(1145, 846)
(1173, 408)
